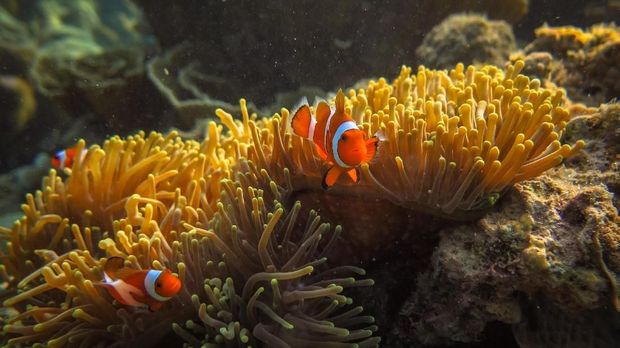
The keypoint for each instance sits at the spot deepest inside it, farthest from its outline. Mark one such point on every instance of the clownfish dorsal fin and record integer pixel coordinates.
(112, 265)
(331, 176)
(115, 268)
(340, 102)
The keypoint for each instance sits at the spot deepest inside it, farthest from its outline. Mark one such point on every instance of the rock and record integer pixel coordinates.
(468, 39)
(556, 236)
(585, 62)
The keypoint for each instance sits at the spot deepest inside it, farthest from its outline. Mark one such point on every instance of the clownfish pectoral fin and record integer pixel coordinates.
(380, 134)
(103, 284)
(331, 176)
(301, 121)
(371, 149)
(340, 101)
(155, 306)
(354, 174)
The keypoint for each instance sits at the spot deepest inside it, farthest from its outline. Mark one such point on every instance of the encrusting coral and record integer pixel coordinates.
(250, 271)
(222, 213)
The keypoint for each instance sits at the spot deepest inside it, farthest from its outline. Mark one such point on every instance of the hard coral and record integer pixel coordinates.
(161, 202)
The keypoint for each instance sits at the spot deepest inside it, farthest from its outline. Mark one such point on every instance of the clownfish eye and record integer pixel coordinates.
(158, 284)
(343, 137)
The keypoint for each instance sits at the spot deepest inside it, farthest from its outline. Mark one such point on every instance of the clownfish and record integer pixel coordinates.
(139, 288)
(338, 139)
(64, 158)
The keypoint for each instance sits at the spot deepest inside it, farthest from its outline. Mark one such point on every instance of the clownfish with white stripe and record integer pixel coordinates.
(139, 288)
(338, 139)
(64, 158)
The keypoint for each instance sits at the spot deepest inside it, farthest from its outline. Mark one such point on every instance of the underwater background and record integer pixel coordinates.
(489, 216)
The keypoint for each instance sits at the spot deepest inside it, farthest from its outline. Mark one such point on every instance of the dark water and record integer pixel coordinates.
(95, 68)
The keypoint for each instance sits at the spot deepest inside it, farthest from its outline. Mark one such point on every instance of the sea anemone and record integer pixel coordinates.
(455, 140)
(458, 139)
(251, 271)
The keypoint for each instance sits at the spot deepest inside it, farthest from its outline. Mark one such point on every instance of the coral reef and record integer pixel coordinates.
(468, 39)
(92, 51)
(161, 202)
(582, 61)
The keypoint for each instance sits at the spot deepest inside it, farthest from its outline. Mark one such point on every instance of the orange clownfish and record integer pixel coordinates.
(139, 288)
(64, 158)
(338, 139)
